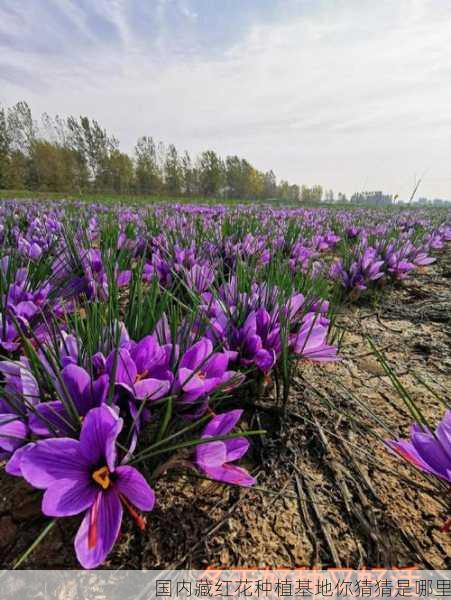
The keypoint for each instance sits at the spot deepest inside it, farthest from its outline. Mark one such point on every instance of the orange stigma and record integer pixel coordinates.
(141, 376)
(102, 477)
(139, 520)
(92, 529)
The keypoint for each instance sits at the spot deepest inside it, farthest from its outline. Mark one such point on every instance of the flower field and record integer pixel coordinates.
(178, 379)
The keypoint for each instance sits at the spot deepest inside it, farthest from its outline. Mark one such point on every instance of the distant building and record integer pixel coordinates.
(434, 202)
(372, 198)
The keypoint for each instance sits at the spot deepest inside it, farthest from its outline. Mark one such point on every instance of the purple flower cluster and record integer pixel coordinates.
(125, 348)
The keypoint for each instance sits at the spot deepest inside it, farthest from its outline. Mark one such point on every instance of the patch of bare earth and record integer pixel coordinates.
(333, 494)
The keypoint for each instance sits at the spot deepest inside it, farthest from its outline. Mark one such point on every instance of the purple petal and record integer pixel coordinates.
(135, 488)
(151, 389)
(69, 351)
(213, 454)
(8, 367)
(324, 353)
(98, 391)
(26, 309)
(265, 359)
(250, 325)
(189, 380)
(106, 515)
(231, 380)
(13, 466)
(294, 304)
(53, 413)
(125, 366)
(68, 497)
(123, 278)
(236, 448)
(51, 460)
(197, 354)
(443, 431)
(13, 432)
(99, 432)
(407, 451)
(262, 319)
(231, 474)
(432, 453)
(144, 353)
(222, 424)
(76, 381)
(216, 365)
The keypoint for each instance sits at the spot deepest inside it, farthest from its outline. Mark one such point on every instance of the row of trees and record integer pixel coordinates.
(78, 155)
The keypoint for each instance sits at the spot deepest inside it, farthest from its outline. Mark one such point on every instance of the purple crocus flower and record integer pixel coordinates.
(201, 371)
(293, 307)
(199, 278)
(68, 350)
(10, 338)
(397, 264)
(429, 452)
(300, 258)
(142, 370)
(141, 374)
(311, 340)
(123, 278)
(21, 391)
(258, 340)
(97, 279)
(30, 250)
(81, 475)
(421, 258)
(362, 271)
(50, 418)
(13, 433)
(215, 458)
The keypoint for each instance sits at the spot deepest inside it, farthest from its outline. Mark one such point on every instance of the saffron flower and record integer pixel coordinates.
(311, 340)
(259, 341)
(13, 433)
(81, 475)
(199, 278)
(215, 458)
(143, 370)
(50, 418)
(429, 452)
(201, 371)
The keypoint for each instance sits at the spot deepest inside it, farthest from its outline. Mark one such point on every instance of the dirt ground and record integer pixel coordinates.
(329, 494)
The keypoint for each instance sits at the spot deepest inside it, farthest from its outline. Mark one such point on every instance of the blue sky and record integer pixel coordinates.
(352, 94)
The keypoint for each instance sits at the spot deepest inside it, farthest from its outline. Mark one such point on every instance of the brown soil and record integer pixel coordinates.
(333, 495)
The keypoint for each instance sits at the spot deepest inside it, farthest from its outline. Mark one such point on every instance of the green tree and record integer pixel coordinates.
(270, 185)
(78, 154)
(234, 176)
(4, 147)
(211, 173)
(93, 146)
(22, 129)
(173, 172)
(149, 178)
(120, 172)
(189, 175)
(311, 194)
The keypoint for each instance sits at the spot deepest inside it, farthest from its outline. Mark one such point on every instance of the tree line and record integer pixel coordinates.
(70, 154)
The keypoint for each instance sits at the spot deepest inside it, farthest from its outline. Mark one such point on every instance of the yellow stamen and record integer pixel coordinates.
(102, 477)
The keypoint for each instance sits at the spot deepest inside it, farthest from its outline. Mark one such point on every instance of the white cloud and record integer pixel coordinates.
(350, 94)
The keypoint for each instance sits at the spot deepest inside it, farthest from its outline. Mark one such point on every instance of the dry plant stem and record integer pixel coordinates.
(321, 520)
(304, 514)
